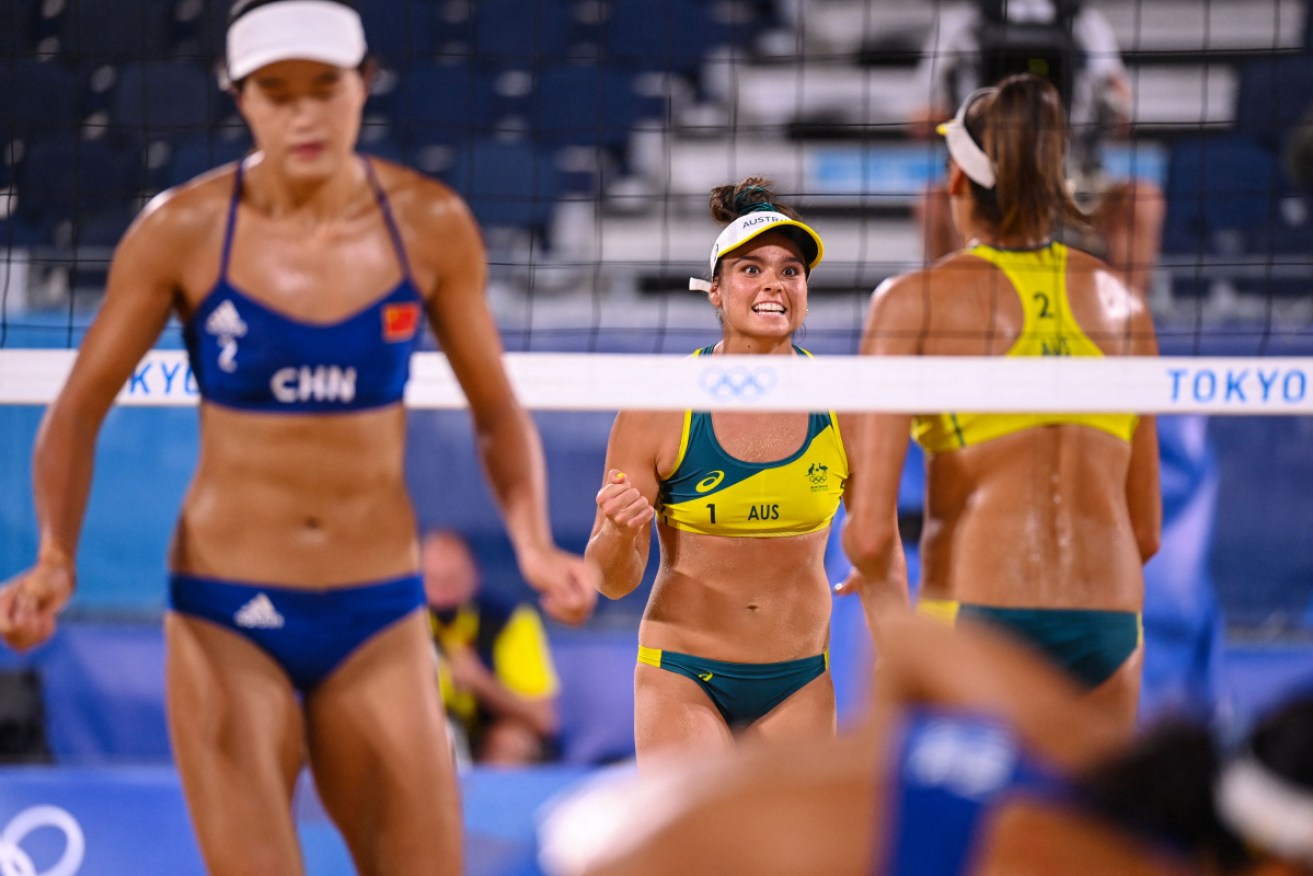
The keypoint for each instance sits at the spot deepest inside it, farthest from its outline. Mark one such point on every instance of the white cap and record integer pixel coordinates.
(750, 225)
(965, 151)
(1266, 809)
(306, 30)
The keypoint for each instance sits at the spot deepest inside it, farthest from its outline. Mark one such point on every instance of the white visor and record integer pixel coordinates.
(1266, 809)
(751, 225)
(965, 151)
(304, 30)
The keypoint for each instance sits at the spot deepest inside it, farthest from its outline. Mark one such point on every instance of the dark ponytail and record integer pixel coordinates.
(754, 195)
(1023, 129)
(1162, 790)
(730, 201)
(1283, 741)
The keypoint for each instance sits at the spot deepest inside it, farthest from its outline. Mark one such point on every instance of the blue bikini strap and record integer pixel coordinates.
(389, 219)
(232, 220)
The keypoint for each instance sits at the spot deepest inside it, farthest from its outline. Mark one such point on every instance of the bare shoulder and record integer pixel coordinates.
(1089, 275)
(652, 437)
(901, 298)
(419, 201)
(655, 425)
(1080, 262)
(181, 219)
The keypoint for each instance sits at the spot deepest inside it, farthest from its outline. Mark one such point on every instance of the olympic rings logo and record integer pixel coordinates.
(739, 382)
(16, 862)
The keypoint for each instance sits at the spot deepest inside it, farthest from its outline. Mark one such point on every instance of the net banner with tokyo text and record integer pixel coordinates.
(601, 382)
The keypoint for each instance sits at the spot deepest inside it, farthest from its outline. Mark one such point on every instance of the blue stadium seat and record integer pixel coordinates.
(1220, 191)
(586, 105)
(399, 33)
(162, 101)
(441, 103)
(114, 31)
(672, 36)
(1274, 95)
(507, 184)
(64, 178)
(16, 30)
(384, 147)
(198, 153)
(40, 99)
(102, 228)
(1227, 196)
(520, 35)
(15, 233)
(196, 31)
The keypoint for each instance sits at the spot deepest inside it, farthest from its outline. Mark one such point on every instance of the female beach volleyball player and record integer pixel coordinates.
(978, 758)
(1039, 523)
(735, 631)
(302, 277)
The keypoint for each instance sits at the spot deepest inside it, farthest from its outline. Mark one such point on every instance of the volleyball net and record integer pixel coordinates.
(586, 136)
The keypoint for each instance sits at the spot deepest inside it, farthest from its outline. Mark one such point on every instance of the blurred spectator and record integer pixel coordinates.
(973, 45)
(494, 665)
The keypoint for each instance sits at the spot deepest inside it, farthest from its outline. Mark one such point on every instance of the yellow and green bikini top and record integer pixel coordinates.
(712, 493)
(1050, 329)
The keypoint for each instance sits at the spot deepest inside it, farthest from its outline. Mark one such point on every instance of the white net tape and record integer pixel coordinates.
(607, 382)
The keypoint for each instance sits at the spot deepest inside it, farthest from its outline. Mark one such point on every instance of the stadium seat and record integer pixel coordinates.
(63, 178)
(165, 101)
(399, 33)
(441, 103)
(198, 153)
(14, 233)
(518, 35)
(1220, 191)
(1227, 197)
(1274, 94)
(669, 36)
(507, 184)
(16, 31)
(40, 99)
(102, 228)
(196, 31)
(114, 31)
(586, 105)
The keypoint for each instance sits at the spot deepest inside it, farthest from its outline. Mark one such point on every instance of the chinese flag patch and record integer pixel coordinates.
(400, 321)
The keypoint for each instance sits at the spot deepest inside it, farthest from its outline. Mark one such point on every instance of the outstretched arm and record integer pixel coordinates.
(506, 438)
(870, 535)
(143, 279)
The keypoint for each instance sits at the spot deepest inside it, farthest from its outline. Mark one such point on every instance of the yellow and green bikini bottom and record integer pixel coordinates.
(741, 692)
(1090, 644)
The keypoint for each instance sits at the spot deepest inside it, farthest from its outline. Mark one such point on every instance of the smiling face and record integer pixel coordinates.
(304, 116)
(761, 292)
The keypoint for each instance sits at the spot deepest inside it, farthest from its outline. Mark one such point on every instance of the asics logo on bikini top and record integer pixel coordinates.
(710, 482)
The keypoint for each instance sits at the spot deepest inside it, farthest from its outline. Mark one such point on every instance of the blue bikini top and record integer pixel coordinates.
(952, 771)
(247, 355)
